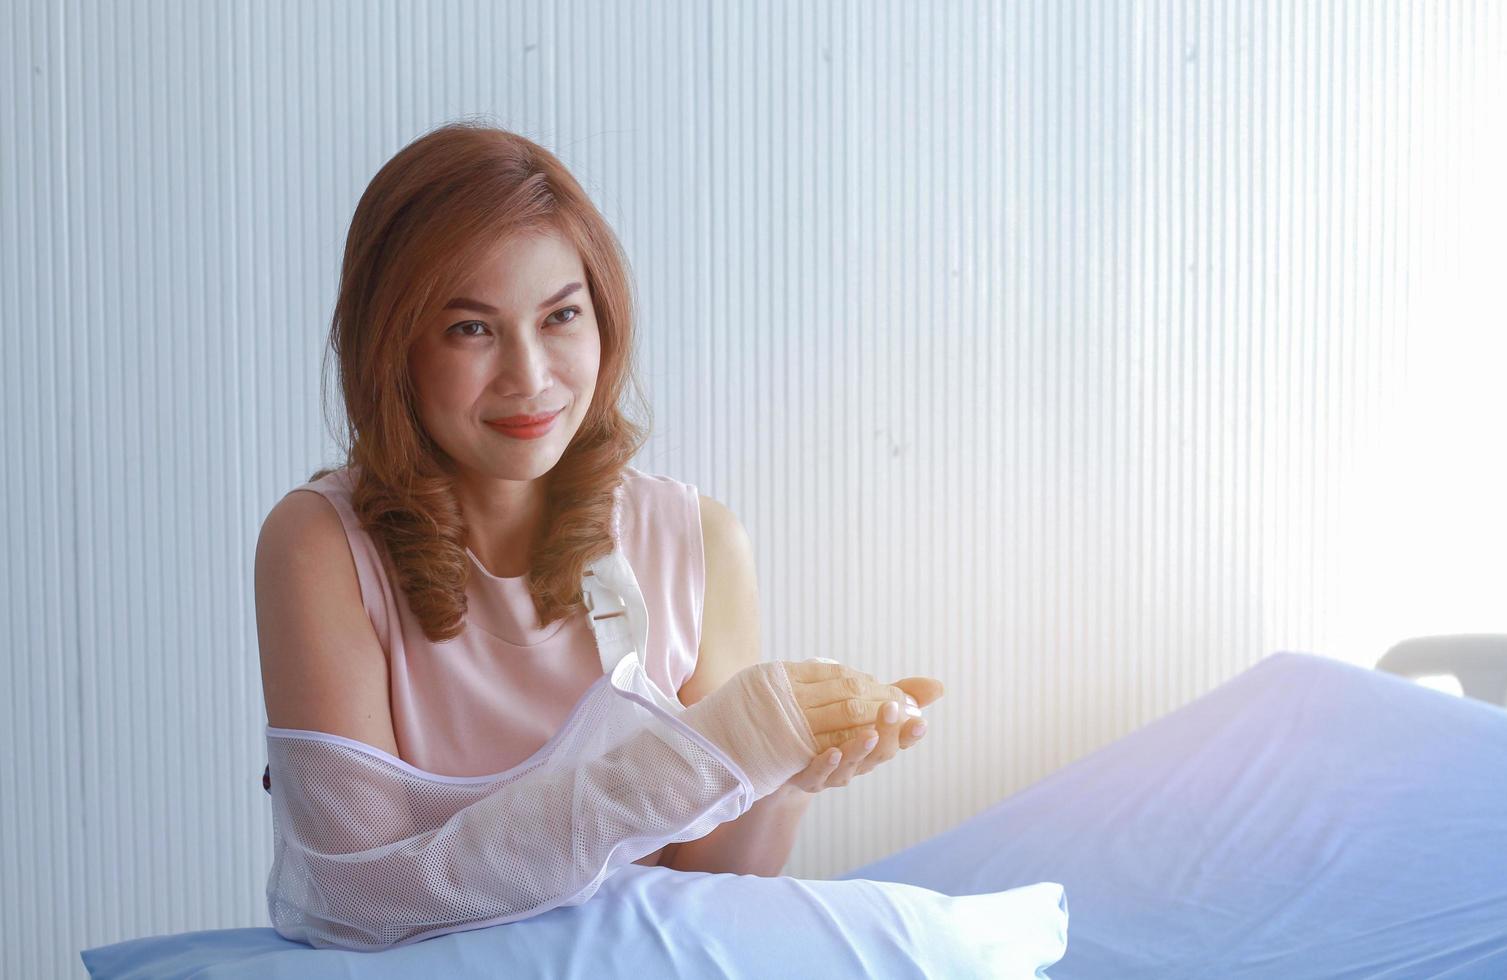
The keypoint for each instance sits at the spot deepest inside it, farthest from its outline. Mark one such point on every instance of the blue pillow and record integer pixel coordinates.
(658, 922)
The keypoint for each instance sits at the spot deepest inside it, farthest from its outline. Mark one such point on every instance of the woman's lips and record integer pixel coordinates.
(530, 430)
(526, 419)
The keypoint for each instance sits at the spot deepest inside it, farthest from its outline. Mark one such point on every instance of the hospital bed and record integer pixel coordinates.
(1307, 818)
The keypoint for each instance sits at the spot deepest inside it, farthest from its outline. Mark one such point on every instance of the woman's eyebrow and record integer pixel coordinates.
(477, 306)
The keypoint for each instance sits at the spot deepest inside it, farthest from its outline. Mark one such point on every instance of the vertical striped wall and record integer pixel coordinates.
(1078, 354)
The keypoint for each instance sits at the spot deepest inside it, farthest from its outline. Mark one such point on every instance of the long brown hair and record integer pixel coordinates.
(431, 212)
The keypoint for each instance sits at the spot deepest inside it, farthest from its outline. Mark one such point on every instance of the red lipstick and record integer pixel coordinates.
(525, 426)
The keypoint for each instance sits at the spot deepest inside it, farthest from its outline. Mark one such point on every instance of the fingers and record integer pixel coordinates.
(861, 686)
(840, 719)
(897, 734)
(924, 689)
(887, 747)
(893, 739)
(857, 757)
(912, 732)
(813, 779)
(841, 703)
(811, 671)
(854, 751)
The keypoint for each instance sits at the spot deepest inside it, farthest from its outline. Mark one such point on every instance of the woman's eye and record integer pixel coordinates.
(460, 328)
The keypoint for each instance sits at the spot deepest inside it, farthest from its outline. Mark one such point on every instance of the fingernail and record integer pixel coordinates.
(832, 757)
(919, 729)
(891, 712)
(871, 741)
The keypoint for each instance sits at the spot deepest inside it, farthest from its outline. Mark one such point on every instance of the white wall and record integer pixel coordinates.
(1079, 354)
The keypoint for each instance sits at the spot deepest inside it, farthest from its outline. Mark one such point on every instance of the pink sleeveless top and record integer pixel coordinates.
(487, 699)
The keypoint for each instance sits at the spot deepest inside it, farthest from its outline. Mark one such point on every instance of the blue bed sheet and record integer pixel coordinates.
(1308, 818)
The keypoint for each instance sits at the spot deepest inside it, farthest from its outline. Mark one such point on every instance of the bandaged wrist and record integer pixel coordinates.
(755, 718)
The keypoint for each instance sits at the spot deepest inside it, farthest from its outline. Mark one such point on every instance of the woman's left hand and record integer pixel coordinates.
(837, 767)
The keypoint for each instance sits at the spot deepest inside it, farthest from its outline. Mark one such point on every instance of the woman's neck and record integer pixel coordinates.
(502, 518)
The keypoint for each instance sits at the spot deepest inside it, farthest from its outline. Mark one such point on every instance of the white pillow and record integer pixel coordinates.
(648, 922)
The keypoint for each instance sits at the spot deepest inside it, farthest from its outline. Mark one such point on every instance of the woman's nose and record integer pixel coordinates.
(525, 367)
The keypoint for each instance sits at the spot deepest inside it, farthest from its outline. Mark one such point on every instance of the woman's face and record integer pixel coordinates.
(518, 337)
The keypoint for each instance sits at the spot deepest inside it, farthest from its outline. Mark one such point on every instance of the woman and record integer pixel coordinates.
(425, 599)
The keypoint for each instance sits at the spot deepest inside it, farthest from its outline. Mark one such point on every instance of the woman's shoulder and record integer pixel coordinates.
(336, 524)
(660, 495)
(647, 482)
(296, 507)
(331, 479)
(335, 484)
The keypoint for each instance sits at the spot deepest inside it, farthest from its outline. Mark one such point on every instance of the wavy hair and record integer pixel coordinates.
(432, 211)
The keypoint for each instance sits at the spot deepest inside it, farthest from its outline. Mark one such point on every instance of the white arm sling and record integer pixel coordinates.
(370, 852)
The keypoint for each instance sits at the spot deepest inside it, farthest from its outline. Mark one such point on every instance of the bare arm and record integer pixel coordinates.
(757, 843)
(760, 841)
(323, 666)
